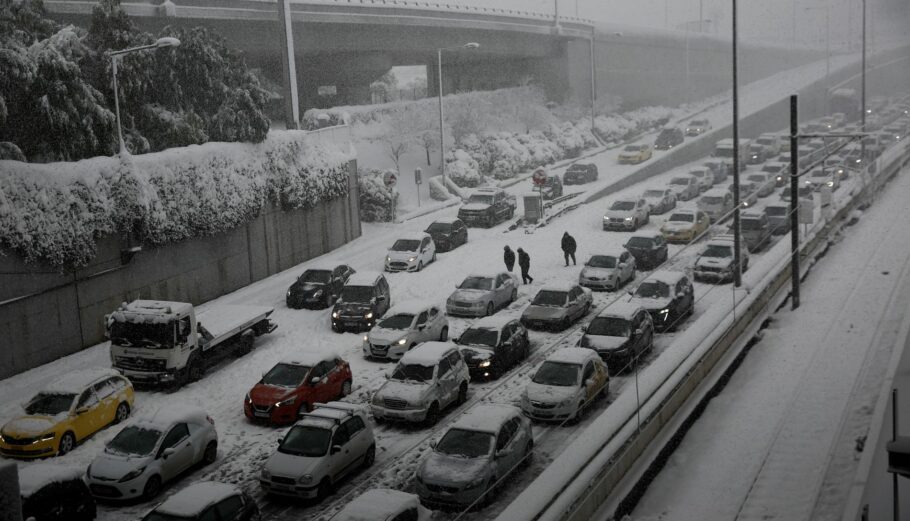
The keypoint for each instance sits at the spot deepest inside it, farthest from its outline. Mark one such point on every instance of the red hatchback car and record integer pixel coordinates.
(292, 387)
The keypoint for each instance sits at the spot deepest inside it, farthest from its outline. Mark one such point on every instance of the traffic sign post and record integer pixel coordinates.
(418, 180)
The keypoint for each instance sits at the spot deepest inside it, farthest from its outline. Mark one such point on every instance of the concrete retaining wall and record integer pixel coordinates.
(45, 315)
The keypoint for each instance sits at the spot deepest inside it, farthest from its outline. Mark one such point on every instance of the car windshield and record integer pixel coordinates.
(602, 261)
(306, 440)
(682, 217)
(413, 373)
(631, 148)
(757, 178)
(398, 321)
(160, 516)
(557, 373)
(577, 169)
(406, 245)
(316, 276)
(654, 194)
(134, 440)
(724, 152)
(550, 298)
(772, 168)
(465, 443)
(698, 123)
(136, 334)
(484, 283)
(684, 181)
(50, 404)
(712, 199)
(356, 294)
(718, 251)
(623, 205)
(640, 242)
(765, 141)
(776, 211)
(479, 336)
(751, 224)
(286, 375)
(609, 326)
(653, 289)
(697, 173)
(481, 198)
(440, 228)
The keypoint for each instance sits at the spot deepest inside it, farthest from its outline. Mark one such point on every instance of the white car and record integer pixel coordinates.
(411, 253)
(685, 187)
(320, 450)
(627, 214)
(771, 144)
(660, 200)
(717, 203)
(426, 380)
(403, 327)
(384, 504)
(151, 451)
(764, 181)
(819, 177)
(565, 385)
(705, 178)
(608, 271)
(206, 500)
(482, 447)
(716, 262)
(482, 295)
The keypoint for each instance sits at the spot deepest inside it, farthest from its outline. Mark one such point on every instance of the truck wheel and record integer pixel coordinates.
(245, 343)
(196, 369)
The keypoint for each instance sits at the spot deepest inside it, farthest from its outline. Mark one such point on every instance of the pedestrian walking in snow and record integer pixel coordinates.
(524, 262)
(568, 248)
(508, 256)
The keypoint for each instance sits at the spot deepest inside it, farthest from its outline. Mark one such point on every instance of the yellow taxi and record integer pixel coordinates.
(685, 225)
(66, 412)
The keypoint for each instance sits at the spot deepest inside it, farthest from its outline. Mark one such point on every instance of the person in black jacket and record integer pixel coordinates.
(568, 248)
(508, 256)
(524, 262)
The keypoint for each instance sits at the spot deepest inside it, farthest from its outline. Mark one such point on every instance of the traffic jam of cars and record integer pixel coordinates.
(328, 438)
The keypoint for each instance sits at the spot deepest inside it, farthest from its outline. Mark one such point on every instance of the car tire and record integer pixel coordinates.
(370, 457)
(647, 218)
(514, 296)
(324, 490)
(462, 393)
(122, 412)
(420, 266)
(564, 324)
(432, 414)
(152, 487)
(434, 257)
(491, 221)
(210, 454)
(345, 388)
(301, 410)
(67, 443)
(444, 334)
(490, 309)
(579, 413)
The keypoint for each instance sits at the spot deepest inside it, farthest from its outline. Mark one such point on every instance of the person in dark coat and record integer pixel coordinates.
(508, 256)
(568, 248)
(524, 262)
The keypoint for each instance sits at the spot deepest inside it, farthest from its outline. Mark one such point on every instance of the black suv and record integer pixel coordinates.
(580, 173)
(668, 297)
(364, 298)
(649, 250)
(620, 334)
(318, 288)
(51, 493)
(493, 345)
(669, 138)
(448, 234)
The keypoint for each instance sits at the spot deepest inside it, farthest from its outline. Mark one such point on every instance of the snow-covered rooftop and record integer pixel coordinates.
(363, 278)
(76, 381)
(486, 417)
(33, 477)
(310, 358)
(168, 415)
(411, 307)
(427, 353)
(377, 503)
(572, 355)
(497, 321)
(192, 500)
(620, 309)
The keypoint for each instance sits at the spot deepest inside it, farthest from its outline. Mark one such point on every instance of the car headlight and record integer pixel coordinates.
(334, 314)
(289, 293)
(485, 363)
(132, 475)
(780, 178)
(403, 341)
(318, 293)
(628, 218)
(248, 398)
(388, 258)
(289, 401)
(265, 474)
(306, 478)
(412, 259)
(476, 482)
(369, 315)
(830, 183)
(366, 338)
(47, 437)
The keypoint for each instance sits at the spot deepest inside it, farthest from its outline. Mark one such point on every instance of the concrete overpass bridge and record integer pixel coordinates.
(344, 45)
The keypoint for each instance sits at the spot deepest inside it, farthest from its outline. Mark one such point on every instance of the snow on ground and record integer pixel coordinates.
(761, 448)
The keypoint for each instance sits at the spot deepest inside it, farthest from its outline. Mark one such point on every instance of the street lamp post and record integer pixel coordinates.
(442, 136)
(737, 241)
(116, 56)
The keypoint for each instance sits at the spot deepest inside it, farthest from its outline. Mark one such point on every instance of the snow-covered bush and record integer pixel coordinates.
(462, 168)
(377, 201)
(438, 192)
(618, 128)
(54, 212)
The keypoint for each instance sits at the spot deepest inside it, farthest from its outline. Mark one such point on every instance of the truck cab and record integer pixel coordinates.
(487, 207)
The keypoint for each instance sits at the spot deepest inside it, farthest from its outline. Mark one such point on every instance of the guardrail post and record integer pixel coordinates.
(794, 202)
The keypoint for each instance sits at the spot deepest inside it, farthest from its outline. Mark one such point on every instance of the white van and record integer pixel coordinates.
(724, 151)
(717, 203)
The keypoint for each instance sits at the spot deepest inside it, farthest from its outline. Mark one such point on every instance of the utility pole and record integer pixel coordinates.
(862, 126)
(737, 254)
(291, 101)
(794, 203)
(593, 81)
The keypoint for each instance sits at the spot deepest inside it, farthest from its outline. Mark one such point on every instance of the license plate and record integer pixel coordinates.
(351, 324)
(260, 414)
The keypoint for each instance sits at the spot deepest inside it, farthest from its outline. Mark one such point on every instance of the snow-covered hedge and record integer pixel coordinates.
(378, 202)
(462, 168)
(54, 212)
(618, 128)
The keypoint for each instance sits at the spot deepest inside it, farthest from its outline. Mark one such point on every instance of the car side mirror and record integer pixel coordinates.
(336, 449)
(167, 452)
(280, 441)
(638, 332)
(589, 382)
(455, 339)
(315, 380)
(388, 374)
(499, 454)
(421, 327)
(82, 410)
(584, 329)
(380, 298)
(629, 291)
(433, 444)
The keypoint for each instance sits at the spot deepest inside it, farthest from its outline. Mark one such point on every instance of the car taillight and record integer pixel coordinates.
(209, 418)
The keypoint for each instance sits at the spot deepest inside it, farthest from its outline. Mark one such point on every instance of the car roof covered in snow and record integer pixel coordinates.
(668, 277)
(753, 214)
(572, 355)
(413, 236)
(412, 307)
(310, 358)
(621, 309)
(699, 169)
(33, 477)
(564, 287)
(648, 234)
(716, 192)
(167, 415)
(487, 417)
(449, 220)
(192, 500)
(497, 321)
(334, 412)
(363, 278)
(682, 211)
(721, 240)
(427, 353)
(377, 504)
(76, 381)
